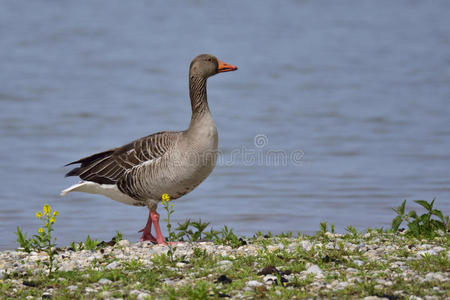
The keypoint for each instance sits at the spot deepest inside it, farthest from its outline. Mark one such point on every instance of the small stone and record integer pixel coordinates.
(358, 262)
(342, 285)
(434, 277)
(105, 294)
(270, 279)
(124, 243)
(112, 265)
(89, 290)
(72, 288)
(168, 281)
(306, 245)
(329, 246)
(142, 296)
(104, 281)
(180, 264)
(254, 283)
(422, 253)
(2, 274)
(314, 269)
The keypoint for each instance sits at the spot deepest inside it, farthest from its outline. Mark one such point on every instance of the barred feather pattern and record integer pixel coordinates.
(121, 165)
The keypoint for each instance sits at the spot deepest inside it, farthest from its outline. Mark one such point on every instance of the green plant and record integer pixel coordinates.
(42, 241)
(118, 236)
(25, 243)
(424, 225)
(352, 230)
(168, 207)
(227, 237)
(193, 231)
(90, 244)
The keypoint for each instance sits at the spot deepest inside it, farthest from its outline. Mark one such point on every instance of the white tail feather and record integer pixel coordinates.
(108, 190)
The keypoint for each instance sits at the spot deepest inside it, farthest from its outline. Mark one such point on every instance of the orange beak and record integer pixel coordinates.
(224, 67)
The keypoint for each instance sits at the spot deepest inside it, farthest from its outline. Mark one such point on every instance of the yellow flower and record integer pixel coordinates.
(55, 213)
(52, 220)
(38, 215)
(41, 230)
(165, 198)
(47, 209)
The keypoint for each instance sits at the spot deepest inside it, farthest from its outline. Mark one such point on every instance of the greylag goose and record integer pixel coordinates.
(172, 162)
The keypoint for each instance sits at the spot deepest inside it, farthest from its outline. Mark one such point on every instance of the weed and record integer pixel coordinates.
(424, 225)
(42, 241)
(90, 244)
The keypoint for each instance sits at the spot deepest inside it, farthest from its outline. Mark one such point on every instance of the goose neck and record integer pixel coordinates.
(197, 92)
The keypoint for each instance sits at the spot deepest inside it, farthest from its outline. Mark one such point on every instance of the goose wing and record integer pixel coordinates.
(109, 166)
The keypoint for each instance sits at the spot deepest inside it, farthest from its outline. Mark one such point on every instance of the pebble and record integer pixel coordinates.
(381, 250)
(306, 245)
(254, 283)
(112, 265)
(435, 276)
(358, 262)
(72, 288)
(124, 243)
(314, 269)
(104, 281)
(270, 279)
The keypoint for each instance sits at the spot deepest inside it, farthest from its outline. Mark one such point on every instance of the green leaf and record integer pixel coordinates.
(401, 209)
(396, 223)
(425, 204)
(438, 214)
(412, 214)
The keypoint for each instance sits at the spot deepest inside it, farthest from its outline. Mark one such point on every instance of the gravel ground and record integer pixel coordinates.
(373, 265)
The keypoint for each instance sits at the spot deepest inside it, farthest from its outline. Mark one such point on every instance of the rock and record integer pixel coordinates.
(142, 296)
(435, 277)
(306, 245)
(358, 262)
(2, 274)
(168, 281)
(314, 269)
(254, 283)
(105, 294)
(124, 243)
(180, 264)
(112, 265)
(72, 288)
(270, 279)
(89, 290)
(104, 281)
(342, 285)
(422, 253)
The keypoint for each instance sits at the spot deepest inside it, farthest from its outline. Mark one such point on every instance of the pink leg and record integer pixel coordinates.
(146, 232)
(155, 220)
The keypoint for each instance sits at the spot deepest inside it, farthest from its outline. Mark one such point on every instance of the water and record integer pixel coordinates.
(358, 89)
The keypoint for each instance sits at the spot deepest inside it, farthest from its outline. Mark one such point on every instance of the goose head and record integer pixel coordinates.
(207, 65)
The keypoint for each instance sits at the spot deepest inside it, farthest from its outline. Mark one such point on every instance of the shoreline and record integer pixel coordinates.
(371, 265)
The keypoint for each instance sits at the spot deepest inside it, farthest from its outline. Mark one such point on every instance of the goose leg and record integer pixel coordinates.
(155, 220)
(146, 232)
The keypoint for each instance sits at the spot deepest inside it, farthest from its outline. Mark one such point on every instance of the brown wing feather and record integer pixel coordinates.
(109, 166)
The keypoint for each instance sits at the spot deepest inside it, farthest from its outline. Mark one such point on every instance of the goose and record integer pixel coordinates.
(167, 162)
